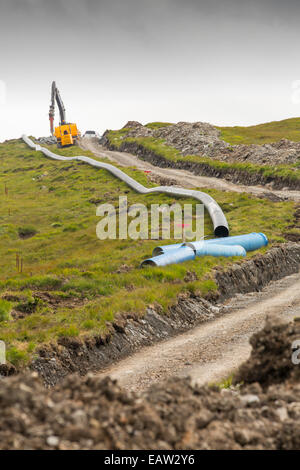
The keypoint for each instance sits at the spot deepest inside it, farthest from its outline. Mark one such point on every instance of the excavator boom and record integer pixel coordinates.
(65, 133)
(52, 108)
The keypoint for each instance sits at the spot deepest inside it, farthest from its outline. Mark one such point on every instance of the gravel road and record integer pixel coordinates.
(213, 350)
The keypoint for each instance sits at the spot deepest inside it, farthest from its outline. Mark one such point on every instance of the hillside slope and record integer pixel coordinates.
(59, 281)
(266, 133)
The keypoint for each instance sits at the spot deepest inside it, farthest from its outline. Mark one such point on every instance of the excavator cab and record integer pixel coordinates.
(66, 133)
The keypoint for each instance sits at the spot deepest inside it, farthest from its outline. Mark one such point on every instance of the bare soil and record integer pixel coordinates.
(96, 413)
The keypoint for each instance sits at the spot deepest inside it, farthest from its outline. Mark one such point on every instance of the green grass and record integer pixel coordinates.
(66, 261)
(263, 133)
(157, 125)
(17, 356)
(5, 309)
(226, 383)
(26, 232)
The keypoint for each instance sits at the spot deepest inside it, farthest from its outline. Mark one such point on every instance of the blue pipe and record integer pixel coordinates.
(226, 246)
(184, 253)
(250, 241)
(220, 250)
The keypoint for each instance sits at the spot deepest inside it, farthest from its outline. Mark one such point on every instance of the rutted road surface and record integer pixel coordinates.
(184, 177)
(213, 350)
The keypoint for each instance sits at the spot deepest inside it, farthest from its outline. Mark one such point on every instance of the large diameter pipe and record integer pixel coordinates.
(185, 253)
(250, 242)
(221, 228)
(220, 250)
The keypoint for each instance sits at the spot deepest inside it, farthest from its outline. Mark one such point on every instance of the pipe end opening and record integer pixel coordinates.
(157, 251)
(221, 231)
(147, 262)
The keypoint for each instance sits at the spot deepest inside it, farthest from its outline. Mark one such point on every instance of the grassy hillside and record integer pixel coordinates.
(73, 284)
(263, 133)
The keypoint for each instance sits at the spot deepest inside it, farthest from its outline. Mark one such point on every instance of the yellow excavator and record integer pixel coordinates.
(66, 133)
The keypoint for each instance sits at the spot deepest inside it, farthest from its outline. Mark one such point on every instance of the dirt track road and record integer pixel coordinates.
(183, 177)
(213, 350)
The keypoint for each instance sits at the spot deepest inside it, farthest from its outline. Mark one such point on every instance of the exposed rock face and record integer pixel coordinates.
(126, 336)
(93, 413)
(254, 274)
(203, 139)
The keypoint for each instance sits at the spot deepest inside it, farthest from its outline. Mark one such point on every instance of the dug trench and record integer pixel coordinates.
(126, 336)
(234, 175)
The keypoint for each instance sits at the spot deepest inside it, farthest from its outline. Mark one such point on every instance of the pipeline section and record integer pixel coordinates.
(184, 253)
(230, 246)
(220, 224)
(249, 242)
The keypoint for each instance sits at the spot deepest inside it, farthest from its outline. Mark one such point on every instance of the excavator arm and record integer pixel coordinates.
(55, 96)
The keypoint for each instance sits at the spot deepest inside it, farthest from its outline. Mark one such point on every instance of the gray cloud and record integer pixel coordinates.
(213, 60)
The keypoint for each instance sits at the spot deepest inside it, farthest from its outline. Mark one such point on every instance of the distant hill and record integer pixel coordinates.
(263, 133)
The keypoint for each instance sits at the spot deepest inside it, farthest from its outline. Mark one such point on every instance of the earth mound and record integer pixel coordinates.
(93, 413)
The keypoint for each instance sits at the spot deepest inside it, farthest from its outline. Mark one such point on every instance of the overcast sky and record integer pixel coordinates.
(230, 62)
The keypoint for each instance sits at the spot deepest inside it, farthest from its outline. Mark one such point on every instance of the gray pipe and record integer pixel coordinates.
(221, 228)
